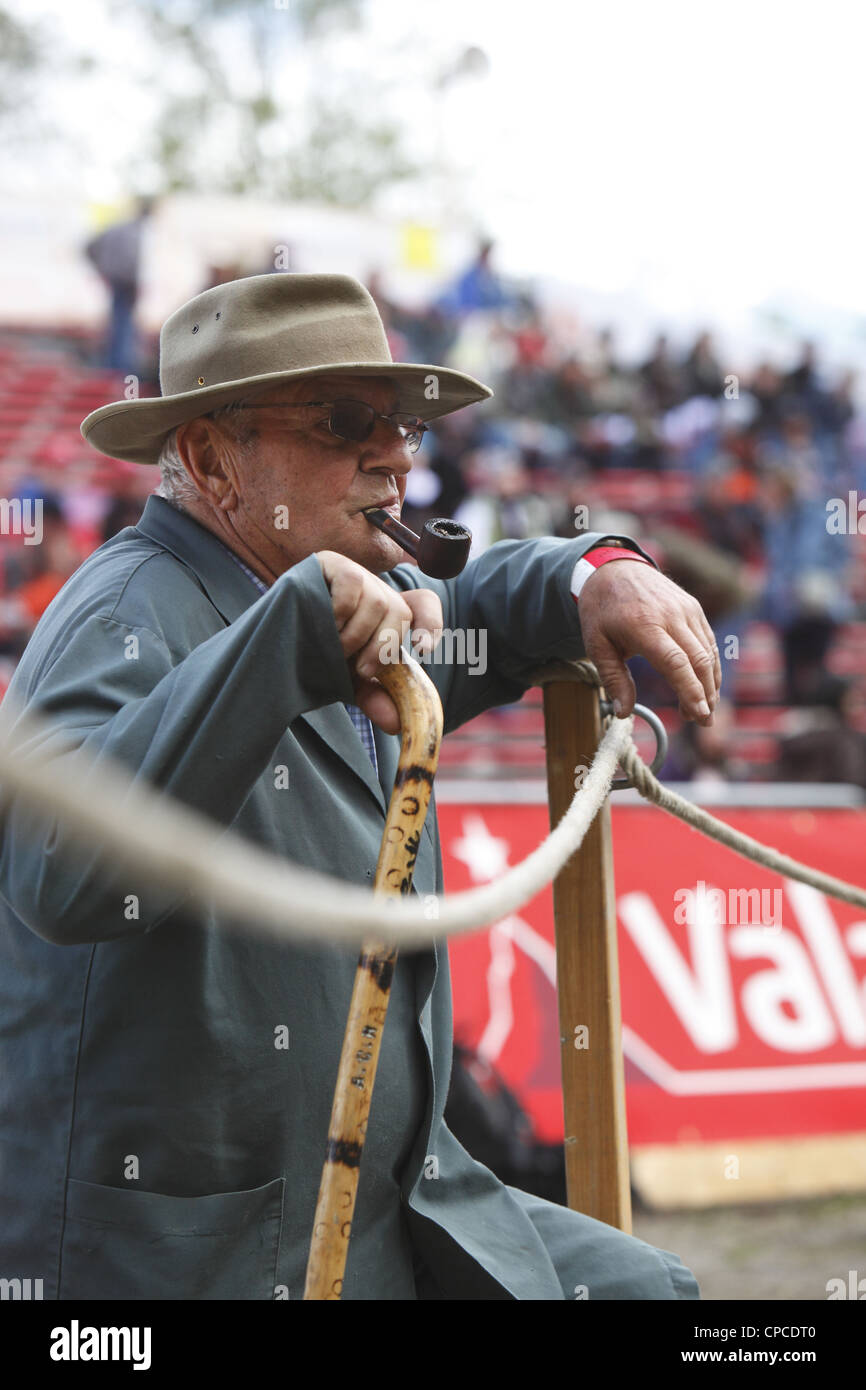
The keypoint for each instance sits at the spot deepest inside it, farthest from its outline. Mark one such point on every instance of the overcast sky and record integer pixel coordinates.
(704, 158)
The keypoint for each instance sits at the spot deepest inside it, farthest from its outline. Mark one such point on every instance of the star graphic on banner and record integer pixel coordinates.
(485, 855)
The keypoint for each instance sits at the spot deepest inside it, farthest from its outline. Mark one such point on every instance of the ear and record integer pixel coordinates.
(211, 461)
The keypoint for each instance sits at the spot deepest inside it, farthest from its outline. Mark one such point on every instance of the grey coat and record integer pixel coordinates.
(165, 1085)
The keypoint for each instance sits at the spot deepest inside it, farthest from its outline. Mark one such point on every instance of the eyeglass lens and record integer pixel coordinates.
(352, 419)
(355, 420)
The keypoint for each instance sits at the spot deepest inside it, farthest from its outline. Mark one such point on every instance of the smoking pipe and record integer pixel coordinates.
(442, 548)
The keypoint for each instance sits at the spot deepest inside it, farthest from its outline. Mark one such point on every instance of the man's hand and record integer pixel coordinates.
(367, 613)
(629, 609)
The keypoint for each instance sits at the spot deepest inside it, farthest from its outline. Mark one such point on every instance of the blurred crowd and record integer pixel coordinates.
(756, 457)
(723, 475)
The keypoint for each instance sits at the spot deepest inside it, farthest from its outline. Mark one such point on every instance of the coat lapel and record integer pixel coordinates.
(333, 725)
(232, 592)
(224, 582)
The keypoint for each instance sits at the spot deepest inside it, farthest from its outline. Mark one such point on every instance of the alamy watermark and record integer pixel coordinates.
(460, 646)
(846, 517)
(21, 1290)
(77, 1343)
(755, 907)
(22, 516)
(854, 1287)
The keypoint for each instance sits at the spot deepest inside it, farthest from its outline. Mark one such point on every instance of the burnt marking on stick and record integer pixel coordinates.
(412, 844)
(344, 1151)
(416, 772)
(381, 969)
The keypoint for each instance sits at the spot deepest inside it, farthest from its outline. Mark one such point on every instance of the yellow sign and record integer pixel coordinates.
(419, 247)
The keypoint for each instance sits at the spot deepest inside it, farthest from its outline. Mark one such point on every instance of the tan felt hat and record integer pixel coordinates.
(250, 334)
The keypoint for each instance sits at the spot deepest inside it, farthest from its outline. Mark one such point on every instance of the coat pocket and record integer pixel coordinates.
(120, 1243)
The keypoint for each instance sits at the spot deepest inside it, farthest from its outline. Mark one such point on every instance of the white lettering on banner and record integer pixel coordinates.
(791, 980)
(784, 1005)
(819, 928)
(855, 939)
(701, 993)
(732, 975)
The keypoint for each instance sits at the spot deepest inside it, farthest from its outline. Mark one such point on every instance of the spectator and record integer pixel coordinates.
(478, 287)
(702, 375)
(839, 409)
(706, 759)
(507, 509)
(663, 379)
(820, 743)
(571, 395)
(805, 594)
(766, 387)
(729, 513)
(802, 386)
(116, 255)
(44, 570)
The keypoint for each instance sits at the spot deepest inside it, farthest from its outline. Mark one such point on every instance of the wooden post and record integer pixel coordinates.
(593, 1081)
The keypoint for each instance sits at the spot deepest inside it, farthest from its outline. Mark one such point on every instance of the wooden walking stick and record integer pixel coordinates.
(420, 711)
(587, 970)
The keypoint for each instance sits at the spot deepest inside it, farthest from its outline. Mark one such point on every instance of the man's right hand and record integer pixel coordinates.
(369, 613)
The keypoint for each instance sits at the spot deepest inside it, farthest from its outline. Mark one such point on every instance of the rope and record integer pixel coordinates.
(137, 825)
(647, 784)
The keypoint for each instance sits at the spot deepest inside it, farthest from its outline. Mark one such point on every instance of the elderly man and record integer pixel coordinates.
(167, 1083)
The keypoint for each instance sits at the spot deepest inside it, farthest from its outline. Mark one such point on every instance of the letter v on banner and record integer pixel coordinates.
(700, 993)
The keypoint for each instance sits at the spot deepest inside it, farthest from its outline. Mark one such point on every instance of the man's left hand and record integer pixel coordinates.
(629, 609)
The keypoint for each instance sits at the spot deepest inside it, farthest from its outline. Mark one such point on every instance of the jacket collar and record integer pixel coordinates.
(232, 592)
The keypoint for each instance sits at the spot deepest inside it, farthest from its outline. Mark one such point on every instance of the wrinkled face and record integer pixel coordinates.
(297, 469)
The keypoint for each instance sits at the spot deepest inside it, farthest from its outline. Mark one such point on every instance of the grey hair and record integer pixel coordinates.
(175, 483)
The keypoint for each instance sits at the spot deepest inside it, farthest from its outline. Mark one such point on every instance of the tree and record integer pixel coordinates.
(23, 49)
(234, 116)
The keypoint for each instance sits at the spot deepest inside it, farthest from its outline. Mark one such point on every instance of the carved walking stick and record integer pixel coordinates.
(420, 711)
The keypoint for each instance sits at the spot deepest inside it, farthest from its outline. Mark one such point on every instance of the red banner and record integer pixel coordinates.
(743, 993)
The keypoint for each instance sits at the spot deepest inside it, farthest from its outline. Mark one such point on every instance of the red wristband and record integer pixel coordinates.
(593, 559)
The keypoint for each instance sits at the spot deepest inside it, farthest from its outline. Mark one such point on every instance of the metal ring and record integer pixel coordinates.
(658, 728)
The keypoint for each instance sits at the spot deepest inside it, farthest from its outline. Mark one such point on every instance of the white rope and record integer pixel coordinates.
(643, 780)
(198, 858)
(183, 849)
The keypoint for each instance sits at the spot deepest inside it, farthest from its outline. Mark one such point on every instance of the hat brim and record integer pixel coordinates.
(136, 430)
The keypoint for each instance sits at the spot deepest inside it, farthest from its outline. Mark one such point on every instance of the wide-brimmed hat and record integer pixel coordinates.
(249, 334)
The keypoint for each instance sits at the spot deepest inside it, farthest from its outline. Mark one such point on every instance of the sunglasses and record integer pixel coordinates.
(355, 420)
